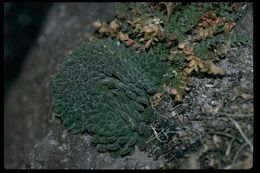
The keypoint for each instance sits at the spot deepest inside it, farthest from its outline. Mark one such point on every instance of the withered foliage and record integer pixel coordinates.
(198, 65)
(112, 31)
(170, 6)
(146, 26)
(148, 31)
(192, 38)
(207, 25)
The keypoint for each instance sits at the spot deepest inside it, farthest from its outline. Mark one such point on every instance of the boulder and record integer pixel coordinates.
(33, 138)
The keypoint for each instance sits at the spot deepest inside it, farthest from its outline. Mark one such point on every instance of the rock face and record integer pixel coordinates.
(29, 124)
(245, 24)
(33, 138)
(62, 150)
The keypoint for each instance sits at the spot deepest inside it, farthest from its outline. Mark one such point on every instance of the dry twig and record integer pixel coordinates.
(242, 133)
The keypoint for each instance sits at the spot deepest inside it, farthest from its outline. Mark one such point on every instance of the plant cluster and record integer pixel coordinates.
(109, 90)
(105, 89)
(191, 37)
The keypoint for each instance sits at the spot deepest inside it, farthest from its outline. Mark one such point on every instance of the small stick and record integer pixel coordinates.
(226, 135)
(229, 147)
(162, 115)
(236, 115)
(242, 133)
(238, 151)
(156, 135)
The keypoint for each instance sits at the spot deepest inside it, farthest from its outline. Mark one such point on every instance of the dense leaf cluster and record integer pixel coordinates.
(204, 47)
(104, 88)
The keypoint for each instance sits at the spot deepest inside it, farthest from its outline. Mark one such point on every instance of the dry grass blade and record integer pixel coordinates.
(236, 115)
(170, 6)
(242, 133)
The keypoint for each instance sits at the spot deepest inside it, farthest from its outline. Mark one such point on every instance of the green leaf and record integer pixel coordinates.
(103, 140)
(123, 139)
(147, 115)
(133, 139)
(95, 129)
(111, 138)
(141, 144)
(143, 100)
(140, 128)
(95, 139)
(146, 132)
(124, 130)
(101, 148)
(113, 147)
(125, 150)
(116, 132)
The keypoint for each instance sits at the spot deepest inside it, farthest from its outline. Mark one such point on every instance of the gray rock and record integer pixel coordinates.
(61, 150)
(33, 138)
(245, 24)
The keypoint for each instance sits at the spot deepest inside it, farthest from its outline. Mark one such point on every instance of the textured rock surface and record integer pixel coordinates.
(32, 137)
(61, 150)
(202, 114)
(28, 107)
(245, 24)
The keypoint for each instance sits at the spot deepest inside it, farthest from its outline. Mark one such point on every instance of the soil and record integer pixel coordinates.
(212, 128)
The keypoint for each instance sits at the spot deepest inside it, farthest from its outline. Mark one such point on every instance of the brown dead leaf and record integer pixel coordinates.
(148, 43)
(201, 65)
(157, 97)
(213, 69)
(228, 26)
(91, 37)
(178, 93)
(174, 91)
(187, 50)
(220, 21)
(205, 33)
(129, 42)
(208, 25)
(122, 36)
(136, 46)
(207, 66)
(181, 45)
(104, 30)
(97, 24)
(149, 31)
(188, 70)
(193, 64)
(113, 25)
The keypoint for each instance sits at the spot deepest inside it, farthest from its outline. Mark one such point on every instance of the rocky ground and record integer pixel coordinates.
(212, 128)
